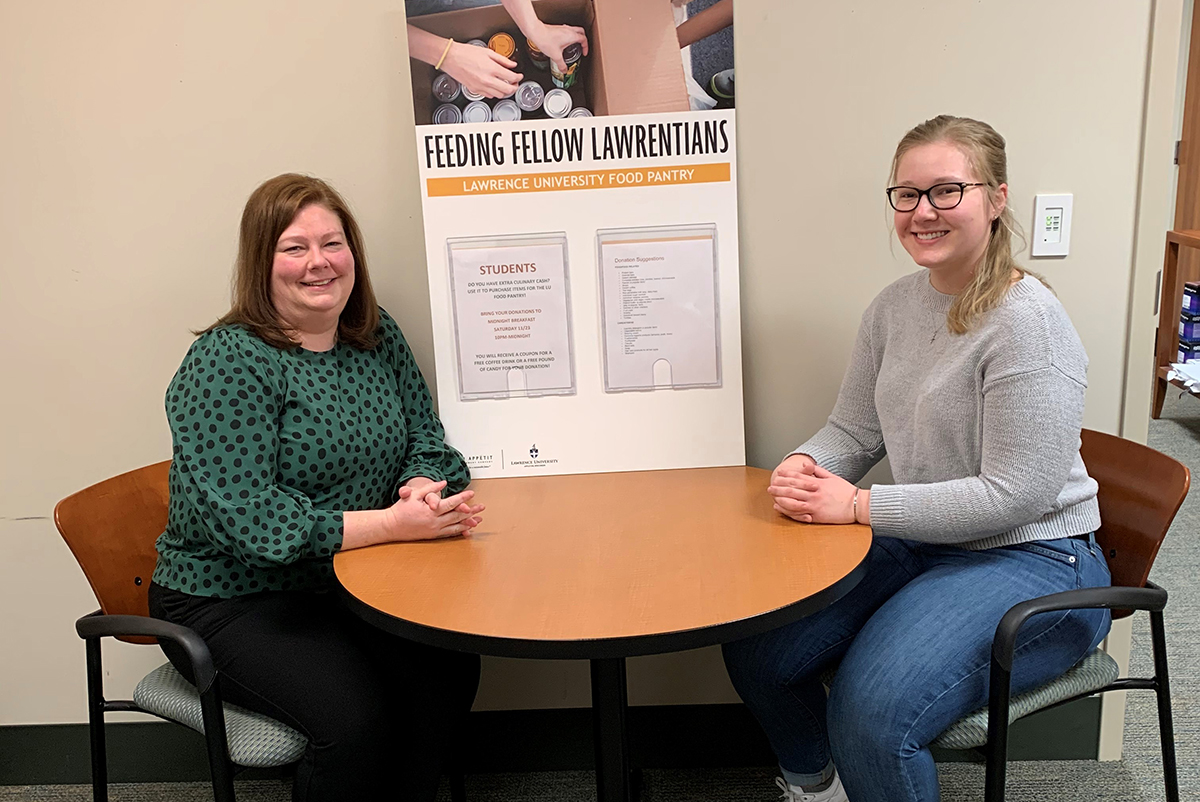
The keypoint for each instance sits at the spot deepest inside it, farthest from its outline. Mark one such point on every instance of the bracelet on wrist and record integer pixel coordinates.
(449, 42)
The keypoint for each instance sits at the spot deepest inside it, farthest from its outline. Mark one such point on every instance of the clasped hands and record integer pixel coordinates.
(806, 492)
(422, 513)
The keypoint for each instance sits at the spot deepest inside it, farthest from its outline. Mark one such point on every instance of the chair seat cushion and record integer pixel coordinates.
(255, 740)
(1091, 673)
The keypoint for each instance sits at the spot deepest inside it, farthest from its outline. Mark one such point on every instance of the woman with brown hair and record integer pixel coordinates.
(969, 375)
(302, 426)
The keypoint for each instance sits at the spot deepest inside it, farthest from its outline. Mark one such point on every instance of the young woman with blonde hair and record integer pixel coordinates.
(969, 375)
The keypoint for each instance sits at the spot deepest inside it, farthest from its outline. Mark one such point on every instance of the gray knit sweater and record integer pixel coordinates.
(982, 429)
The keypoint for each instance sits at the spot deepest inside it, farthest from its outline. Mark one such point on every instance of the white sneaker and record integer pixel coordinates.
(794, 793)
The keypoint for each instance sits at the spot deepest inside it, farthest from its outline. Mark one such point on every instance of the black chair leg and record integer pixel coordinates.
(215, 739)
(222, 781)
(458, 785)
(997, 742)
(95, 687)
(1162, 688)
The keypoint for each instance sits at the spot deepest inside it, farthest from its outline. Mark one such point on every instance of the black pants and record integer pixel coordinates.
(379, 711)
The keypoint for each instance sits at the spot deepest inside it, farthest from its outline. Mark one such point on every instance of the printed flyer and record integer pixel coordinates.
(511, 316)
(578, 177)
(659, 308)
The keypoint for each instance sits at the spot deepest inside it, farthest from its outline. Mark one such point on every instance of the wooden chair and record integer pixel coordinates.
(1140, 491)
(111, 527)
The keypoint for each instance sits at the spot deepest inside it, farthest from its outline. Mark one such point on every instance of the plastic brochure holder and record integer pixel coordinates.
(511, 303)
(659, 307)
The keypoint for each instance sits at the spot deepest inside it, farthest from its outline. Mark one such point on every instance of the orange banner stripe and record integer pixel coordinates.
(582, 179)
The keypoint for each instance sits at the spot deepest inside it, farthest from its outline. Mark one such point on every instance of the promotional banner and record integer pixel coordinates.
(580, 209)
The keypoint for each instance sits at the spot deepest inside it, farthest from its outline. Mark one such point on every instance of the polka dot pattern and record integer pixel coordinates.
(271, 447)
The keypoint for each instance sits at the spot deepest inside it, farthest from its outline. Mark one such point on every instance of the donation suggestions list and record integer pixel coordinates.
(660, 309)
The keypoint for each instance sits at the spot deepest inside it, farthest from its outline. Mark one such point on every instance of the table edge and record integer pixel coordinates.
(604, 648)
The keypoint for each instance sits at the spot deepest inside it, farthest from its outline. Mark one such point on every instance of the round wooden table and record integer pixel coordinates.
(604, 567)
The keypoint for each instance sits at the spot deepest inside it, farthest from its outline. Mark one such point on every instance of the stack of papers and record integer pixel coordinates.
(1188, 373)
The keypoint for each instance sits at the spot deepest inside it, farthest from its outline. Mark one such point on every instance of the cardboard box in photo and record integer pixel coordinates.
(633, 64)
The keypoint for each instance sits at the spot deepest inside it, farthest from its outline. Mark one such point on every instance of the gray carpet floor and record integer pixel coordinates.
(1136, 778)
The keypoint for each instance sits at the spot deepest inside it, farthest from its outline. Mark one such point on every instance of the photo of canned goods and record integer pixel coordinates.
(539, 59)
(477, 112)
(605, 53)
(504, 44)
(557, 103)
(445, 88)
(530, 95)
(506, 111)
(580, 112)
(447, 113)
(565, 79)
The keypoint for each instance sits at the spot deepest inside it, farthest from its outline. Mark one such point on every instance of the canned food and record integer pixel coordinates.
(445, 88)
(477, 112)
(504, 44)
(530, 95)
(506, 111)
(557, 103)
(469, 95)
(565, 79)
(477, 43)
(537, 57)
(446, 113)
(580, 112)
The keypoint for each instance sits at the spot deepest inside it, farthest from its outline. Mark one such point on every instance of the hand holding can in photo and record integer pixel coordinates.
(572, 55)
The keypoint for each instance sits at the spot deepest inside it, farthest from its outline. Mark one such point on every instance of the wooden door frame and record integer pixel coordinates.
(1153, 217)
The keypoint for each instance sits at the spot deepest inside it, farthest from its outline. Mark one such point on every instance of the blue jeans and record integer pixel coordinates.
(914, 640)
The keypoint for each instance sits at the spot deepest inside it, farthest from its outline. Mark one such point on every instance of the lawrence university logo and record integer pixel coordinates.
(536, 460)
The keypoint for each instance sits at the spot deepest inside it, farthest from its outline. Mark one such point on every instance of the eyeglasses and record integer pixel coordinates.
(941, 196)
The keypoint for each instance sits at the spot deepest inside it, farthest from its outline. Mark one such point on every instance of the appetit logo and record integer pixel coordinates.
(480, 460)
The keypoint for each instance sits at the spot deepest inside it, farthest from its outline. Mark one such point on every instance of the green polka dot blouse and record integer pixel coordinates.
(271, 447)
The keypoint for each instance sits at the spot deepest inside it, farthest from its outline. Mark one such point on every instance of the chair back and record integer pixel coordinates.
(1140, 491)
(111, 527)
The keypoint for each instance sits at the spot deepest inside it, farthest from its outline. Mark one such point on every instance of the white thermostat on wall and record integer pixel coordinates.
(1051, 225)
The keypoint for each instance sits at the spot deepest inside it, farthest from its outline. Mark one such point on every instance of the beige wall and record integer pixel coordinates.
(132, 132)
